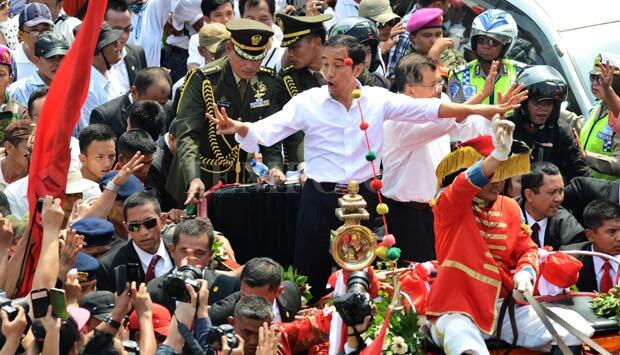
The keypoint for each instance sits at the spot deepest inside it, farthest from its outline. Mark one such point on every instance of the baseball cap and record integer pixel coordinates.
(107, 36)
(132, 185)
(161, 319)
(51, 44)
(35, 13)
(99, 303)
(379, 11)
(211, 35)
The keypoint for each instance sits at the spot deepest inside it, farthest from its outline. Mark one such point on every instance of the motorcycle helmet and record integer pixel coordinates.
(497, 24)
(365, 31)
(543, 83)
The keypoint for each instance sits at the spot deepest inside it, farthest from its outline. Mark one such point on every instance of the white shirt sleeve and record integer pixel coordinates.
(192, 49)
(272, 129)
(423, 133)
(401, 107)
(474, 126)
(185, 11)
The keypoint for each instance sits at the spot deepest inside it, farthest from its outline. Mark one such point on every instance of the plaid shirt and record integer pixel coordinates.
(402, 47)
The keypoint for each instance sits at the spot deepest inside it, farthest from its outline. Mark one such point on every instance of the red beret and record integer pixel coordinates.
(425, 18)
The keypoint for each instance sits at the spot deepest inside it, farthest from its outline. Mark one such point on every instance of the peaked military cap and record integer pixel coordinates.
(294, 27)
(250, 38)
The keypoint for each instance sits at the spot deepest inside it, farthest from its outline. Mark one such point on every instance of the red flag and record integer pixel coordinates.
(377, 344)
(51, 155)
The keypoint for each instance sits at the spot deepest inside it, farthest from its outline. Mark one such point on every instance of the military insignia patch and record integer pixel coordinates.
(256, 39)
(469, 91)
(260, 89)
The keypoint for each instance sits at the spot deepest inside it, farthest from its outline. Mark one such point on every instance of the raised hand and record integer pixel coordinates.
(502, 138)
(224, 124)
(132, 165)
(489, 83)
(607, 75)
(140, 299)
(52, 214)
(268, 340)
(513, 96)
(195, 191)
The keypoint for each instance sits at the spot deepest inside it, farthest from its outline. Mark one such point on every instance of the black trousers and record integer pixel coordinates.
(315, 220)
(412, 226)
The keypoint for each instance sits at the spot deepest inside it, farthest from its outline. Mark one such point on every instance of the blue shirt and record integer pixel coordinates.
(21, 90)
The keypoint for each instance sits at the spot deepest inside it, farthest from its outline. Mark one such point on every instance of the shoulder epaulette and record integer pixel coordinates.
(288, 69)
(210, 69)
(267, 71)
(461, 68)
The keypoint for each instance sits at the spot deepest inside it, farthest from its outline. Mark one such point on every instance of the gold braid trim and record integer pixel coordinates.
(226, 162)
(290, 85)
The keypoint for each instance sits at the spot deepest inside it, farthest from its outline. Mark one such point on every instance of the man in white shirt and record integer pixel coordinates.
(101, 88)
(602, 222)
(34, 20)
(542, 194)
(187, 20)
(411, 154)
(144, 221)
(63, 23)
(148, 18)
(334, 147)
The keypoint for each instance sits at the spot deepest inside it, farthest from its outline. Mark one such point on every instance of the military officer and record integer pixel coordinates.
(236, 83)
(493, 32)
(303, 36)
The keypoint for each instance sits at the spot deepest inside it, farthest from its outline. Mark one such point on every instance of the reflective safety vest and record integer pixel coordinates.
(470, 80)
(596, 136)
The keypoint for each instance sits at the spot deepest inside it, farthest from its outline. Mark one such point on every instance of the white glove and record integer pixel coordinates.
(523, 282)
(502, 138)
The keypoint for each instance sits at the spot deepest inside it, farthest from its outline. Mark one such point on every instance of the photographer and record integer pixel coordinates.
(355, 307)
(192, 244)
(12, 331)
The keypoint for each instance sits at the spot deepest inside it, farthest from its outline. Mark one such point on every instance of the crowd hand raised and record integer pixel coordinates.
(186, 310)
(15, 328)
(195, 191)
(607, 75)
(313, 7)
(513, 96)
(52, 214)
(489, 83)
(72, 289)
(70, 247)
(268, 340)
(49, 322)
(122, 303)
(226, 350)
(502, 138)
(132, 165)
(140, 298)
(6, 232)
(176, 215)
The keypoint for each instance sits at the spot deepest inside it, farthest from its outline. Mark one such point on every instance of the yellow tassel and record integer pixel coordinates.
(459, 159)
(517, 164)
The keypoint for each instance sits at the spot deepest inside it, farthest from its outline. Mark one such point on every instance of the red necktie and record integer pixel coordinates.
(150, 271)
(606, 281)
(535, 229)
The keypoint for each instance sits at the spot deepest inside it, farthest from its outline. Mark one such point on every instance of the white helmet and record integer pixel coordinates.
(497, 24)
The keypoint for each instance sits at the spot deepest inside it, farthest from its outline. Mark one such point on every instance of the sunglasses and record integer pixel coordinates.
(492, 42)
(595, 78)
(148, 224)
(390, 23)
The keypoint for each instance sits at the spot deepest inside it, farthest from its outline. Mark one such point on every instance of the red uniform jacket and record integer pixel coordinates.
(478, 249)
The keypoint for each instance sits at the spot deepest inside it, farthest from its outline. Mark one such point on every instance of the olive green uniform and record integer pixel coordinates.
(201, 152)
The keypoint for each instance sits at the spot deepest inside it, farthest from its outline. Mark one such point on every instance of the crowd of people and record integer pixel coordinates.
(465, 149)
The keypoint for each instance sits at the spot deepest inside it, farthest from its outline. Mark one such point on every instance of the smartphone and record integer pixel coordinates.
(134, 273)
(120, 277)
(40, 302)
(58, 300)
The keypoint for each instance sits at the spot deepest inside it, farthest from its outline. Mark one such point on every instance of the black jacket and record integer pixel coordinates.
(113, 114)
(587, 275)
(220, 286)
(562, 228)
(121, 254)
(289, 303)
(583, 190)
(555, 144)
(158, 174)
(135, 60)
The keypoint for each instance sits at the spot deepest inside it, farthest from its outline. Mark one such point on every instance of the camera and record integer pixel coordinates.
(174, 283)
(10, 306)
(355, 305)
(214, 337)
(131, 347)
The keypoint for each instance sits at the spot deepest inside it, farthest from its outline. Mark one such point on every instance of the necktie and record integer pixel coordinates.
(243, 84)
(150, 271)
(319, 78)
(535, 229)
(606, 281)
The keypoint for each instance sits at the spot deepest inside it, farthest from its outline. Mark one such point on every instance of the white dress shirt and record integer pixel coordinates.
(148, 29)
(277, 318)
(185, 13)
(118, 74)
(23, 66)
(164, 264)
(100, 91)
(542, 224)
(598, 269)
(334, 145)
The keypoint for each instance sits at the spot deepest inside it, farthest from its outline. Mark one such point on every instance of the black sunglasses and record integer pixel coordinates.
(390, 23)
(595, 78)
(482, 40)
(148, 224)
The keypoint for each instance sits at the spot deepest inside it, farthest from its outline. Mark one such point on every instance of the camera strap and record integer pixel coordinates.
(190, 342)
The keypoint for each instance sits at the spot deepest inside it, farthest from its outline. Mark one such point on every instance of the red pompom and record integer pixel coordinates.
(376, 184)
(388, 240)
(348, 62)
(364, 125)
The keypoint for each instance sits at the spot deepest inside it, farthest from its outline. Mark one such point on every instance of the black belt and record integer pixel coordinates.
(340, 189)
(411, 204)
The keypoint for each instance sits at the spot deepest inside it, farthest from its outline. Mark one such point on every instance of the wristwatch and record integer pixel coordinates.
(112, 322)
(112, 187)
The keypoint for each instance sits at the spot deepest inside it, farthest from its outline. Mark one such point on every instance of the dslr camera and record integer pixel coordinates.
(10, 306)
(355, 305)
(214, 337)
(174, 283)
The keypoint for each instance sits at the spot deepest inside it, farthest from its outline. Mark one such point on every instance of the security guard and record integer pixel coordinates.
(492, 34)
(303, 36)
(244, 89)
(600, 143)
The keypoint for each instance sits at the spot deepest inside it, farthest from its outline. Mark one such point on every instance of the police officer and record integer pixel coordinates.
(367, 33)
(537, 122)
(599, 141)
(236, 83)
(304, 37)
(492, 34)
